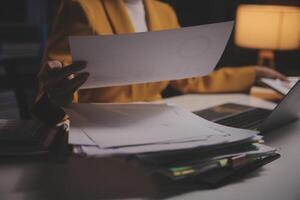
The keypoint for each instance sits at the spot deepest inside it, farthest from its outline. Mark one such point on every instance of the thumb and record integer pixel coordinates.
(55, 64)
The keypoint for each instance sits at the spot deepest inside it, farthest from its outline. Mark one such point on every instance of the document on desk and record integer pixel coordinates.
(136, 128)
(99, 152)
(152, 56)
(280, 86)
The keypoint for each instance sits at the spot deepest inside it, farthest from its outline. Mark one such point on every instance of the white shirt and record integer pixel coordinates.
(137, 14)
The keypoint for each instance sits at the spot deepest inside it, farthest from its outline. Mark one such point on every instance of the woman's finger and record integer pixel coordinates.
(55, 71)
(281, 77)
(75, 67)
(67, 86)
(65, 96)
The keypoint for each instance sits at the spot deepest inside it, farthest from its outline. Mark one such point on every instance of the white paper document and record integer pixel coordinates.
(98, 152)
(94, 150)
(136, 128)
(280, 86)
(152, 56)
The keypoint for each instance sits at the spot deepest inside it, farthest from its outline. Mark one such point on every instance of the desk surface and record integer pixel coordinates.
(276, 181)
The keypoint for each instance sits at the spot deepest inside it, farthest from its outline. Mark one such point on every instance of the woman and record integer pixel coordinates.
(106, 17)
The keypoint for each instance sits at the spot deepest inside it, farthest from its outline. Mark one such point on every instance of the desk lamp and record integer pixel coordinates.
(268, 28)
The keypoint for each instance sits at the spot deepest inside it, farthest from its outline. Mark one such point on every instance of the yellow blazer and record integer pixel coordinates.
(106, 17)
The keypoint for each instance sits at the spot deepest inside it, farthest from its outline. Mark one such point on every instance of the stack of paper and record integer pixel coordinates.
(109, 129)
(175, 142)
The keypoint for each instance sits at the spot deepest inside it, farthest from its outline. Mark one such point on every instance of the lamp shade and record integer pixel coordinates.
(268, 27)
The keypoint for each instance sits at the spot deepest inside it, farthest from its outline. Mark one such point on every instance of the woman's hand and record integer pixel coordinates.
(266, 72)
(61, 82)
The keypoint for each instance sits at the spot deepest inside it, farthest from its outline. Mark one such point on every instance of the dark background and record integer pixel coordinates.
(196, 12)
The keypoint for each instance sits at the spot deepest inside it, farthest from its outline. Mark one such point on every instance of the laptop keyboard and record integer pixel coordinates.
(246, 120)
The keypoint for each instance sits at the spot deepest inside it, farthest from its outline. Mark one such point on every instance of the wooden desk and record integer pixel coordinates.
(82, 178)
(266, 94)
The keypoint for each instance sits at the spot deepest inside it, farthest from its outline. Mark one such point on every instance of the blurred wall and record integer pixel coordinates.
(197, 12)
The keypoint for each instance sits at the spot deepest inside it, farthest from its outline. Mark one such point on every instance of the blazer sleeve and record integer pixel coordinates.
(223, 80)
(70, 21)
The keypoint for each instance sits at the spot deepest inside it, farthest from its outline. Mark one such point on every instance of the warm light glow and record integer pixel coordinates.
(268, 27)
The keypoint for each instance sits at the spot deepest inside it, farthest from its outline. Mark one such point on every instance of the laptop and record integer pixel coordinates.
(248, 117)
